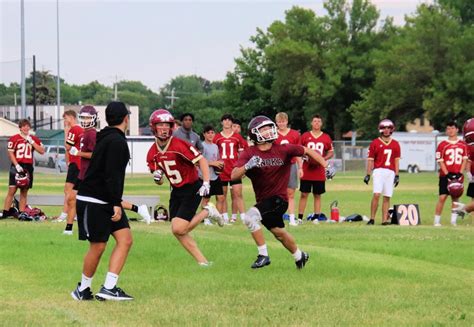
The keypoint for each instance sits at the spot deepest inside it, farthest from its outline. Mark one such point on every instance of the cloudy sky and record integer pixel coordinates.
(150, 41)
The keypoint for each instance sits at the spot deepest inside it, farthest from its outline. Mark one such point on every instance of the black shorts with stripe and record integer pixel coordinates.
(95, 221)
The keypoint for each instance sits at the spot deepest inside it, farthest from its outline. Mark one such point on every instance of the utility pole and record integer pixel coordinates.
(172, 98)
(58, 80)
(115, 88)
(23, 81)
(34, 92)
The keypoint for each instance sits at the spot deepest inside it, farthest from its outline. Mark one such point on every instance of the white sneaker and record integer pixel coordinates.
(315, 222)
(144, 213)
(207, 222)
(233, 220)
(293, 224)
(67, 232)
(437, 225)
(300, 221)
(213, 214)
(459, 209)
(206, 264)
(60, 219)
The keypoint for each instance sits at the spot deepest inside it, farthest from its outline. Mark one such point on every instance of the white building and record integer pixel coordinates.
(47, 118)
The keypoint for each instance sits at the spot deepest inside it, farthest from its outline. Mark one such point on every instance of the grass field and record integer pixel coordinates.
(357, 274)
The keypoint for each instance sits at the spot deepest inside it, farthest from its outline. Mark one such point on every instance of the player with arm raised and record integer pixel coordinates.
(268, 166)
(20, 152)
(383, 162)
(177, 159)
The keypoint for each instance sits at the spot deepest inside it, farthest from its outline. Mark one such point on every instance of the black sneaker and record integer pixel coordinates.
(302, 262)
(114, 294)
(262, 261)
(371, 222)
(385, 223)
(85, 295)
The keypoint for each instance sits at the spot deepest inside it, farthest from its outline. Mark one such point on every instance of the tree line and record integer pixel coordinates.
(350, 66)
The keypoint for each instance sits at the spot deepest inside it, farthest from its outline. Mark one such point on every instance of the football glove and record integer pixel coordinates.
(157, 175)
(19, 168)
(73, 151)
(205, 189)
(253, 162)
(330, 172)
(396, 180)
(367, 179)
(30, 140)
(144, 213)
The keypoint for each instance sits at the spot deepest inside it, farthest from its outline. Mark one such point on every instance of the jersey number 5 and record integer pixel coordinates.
(173, 174)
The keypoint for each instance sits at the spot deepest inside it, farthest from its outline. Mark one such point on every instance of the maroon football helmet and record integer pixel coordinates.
(455, 187)
(468, 131)
(22, 180)
(161, 116)
(386, 123)
(88, 117)
(254, 130)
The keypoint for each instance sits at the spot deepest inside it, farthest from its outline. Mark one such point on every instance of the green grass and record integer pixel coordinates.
(357, 275)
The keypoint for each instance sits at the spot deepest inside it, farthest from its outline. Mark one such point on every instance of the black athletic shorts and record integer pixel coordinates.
(216, 188)
(76, 186)
(28, 167)
(272, 210)
(443, 185)
(226, 183)
(185, 200)
(470, 190)
(319, 187)
(72, 173)
(95, 223)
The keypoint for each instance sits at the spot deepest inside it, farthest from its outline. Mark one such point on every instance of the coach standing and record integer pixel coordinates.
(99, 209)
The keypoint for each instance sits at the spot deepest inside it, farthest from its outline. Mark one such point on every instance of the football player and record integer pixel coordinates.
(287, 135)
(468, 130)
(314, 177)
(73, 133)
(177, 159)
(230, 145)
(383, 160)
(268, 166)
(20, 152)
(451, 156)
(211, 153)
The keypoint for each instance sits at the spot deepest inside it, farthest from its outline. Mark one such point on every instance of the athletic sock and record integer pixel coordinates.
(234, 216)
(292, 218)
(437, 219)
(85, 282)
(262, 250)
(68, 227)
(300, 216)
(110, 280)
(297, 255)
(242, 216)
(63, 215)
(225, 215)
(454, 218)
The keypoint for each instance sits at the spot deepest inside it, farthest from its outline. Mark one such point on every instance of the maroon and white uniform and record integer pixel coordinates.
(321, 143)
(453, 155)
(87, 145)
(384, 156)
(292, 137)
(272, 178)
(229, 149)
(21, 149)
(177, 160)
(73, 138)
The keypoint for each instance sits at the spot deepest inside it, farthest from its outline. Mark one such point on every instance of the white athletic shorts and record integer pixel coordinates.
(383, 181)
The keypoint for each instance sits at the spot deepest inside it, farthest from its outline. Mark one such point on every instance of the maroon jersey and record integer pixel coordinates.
(272, 178)
(87, 145)
(177, 160)
(452, 154)
(73, 138)
(229, 149)
(471, 158)
(384, 154)
(291, 137)
(321, 143)
(22, 150)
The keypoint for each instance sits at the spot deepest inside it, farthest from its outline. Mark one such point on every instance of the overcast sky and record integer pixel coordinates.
(149, 41)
